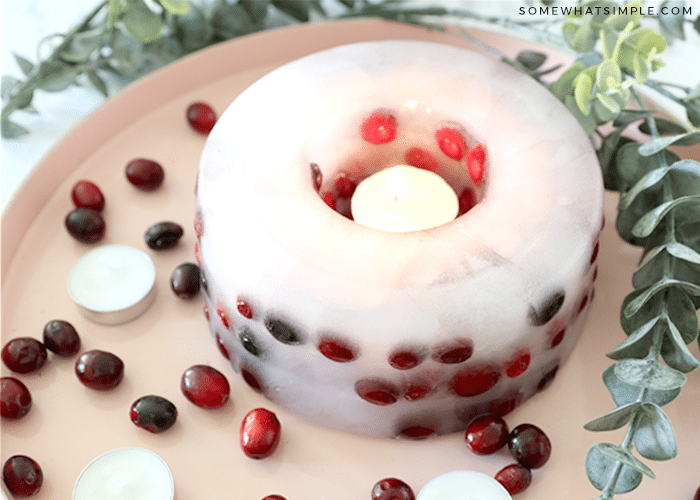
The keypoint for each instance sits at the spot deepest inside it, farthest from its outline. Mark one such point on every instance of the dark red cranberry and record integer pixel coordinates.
(406, 358)
(467, 200)
(163, 235)
(486, 434)
(316, 176)
(85, 225)
(22, 475)
(505, 404)
(60, 337)
(260, 433)
(201, 117)
(344, 186)
(420, 158)
(145, 174)
(529, 445)
(582, 305)
(392, 489)
(24, 354)
(517, 365)
(251, 379)
(223, 316)
(453, 351)
(376, 391)
(547, 378)
(244, 308)
(547, 309)
(283, 331)
(337, 349)
(697, 494)
(274, 497)
(515, 478)
(451, 142)
(476, 159)
(417, 389)
(379, 128)
(99, 370)
(594, 255)
(250, 343)
(205, 386)
(417, 432)
(475, 380)
(220, 343)
(329, 199)
(86, 194)
(153, 413)
(185, 280)
(558, 337)
(15, 399)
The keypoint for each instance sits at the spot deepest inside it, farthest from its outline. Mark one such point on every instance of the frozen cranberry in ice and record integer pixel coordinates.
(145, 174)
(201, 117)
(22, 475)
(517, 365)
(185, 280)
(86, 194)
(15, 399)
(453, 351)
(467, 200)
(205, 386)
(85, 225)
(515, 478)
(61, 338)
(274, 497)
(99, 370)
(475, 380)
(153, 413)
(260, 433)
(377, 391)
(486, 434)
(420, 158)
(476, 158)
(24, 354)
(392, 488)
(451, 142)
(244, 308)
(529, 445)
(379, 128)
(405, 358)
(344, 186)
(337, 349)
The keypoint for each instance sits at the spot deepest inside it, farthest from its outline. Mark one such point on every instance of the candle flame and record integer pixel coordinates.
(395, 185)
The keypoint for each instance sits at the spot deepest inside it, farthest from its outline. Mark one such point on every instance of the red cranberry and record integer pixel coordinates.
(417, 389)
(260, 433)
(417, 432)
(220, 342)
(529, 445)
(60, 337)
(392, 489)
(244, 308)
(594, 255)
(451, 142)
(316, 176)
(476, 157)
(163, 235)
(475, 380)
(379, 128)
(486, 434)
(15, 399)
(223, 316)
(345, 186)
(185, 280)
(153, 413)
(453, 351)
(376, 391)
(201, 117)
(518, 364)
(85, 225)
(558, 337)
(99, 370)
(337, 349)
(547, 379)
(515, 478)
(697, 495)
(22, 475)
(467, 200)
(251, 379)
(86, 194)
(145, 174)
(24, 354)
(329, 199)
(406, 358)
(420, 158)
(274, 497)
(505, 404)
(205, 386)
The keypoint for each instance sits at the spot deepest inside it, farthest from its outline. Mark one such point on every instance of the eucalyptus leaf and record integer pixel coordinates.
(193, 30)
(11, 130)
(615, 419)
(649, 180)
(142, 23)
(82, 46)
(692, 110)
(640, 69)
(258, 8)
(649, 373)
(672, 21)
(605, 108)
(625, 456)
(294, 8)
(640, 42)
(608, 76)
(654, 437)
(531, 59)
(628, 116)
(681, 311)
(564, 85)
(113, 10)
(650, 220)
(664, 127)
(585, 37)
(632, 166)
(674, 351)
(8, 85)
(633, 306)
(601, 467)
(684, 252)
(56, 76)
(231, 20)
(587, 122)
(638, 344)
(630, 13)
(583, 85)
(624, 394)
(177, 7)
(24, 64)
(656, 145)
(653, 268)
(98, 83)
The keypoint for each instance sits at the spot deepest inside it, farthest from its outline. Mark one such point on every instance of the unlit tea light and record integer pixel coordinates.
(125, 474)
(113, 283)
(463, 485)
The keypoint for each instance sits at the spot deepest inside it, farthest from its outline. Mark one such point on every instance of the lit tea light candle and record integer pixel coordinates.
(404, 198)
(113, 284)
(125, 474)
(463, 485)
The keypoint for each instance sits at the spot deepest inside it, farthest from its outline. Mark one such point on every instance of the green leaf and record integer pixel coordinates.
(651, 179)
(142, 23)
(624, 394)
(258, 9)
(654, 437)
(530, 59)
(692, 110)
(608, 40)
(192, 29)
(638, 344)
(24, 64)
(653, 269)
(656, 145)
(650, 220)
(628, 116)
(113, 10)
(607, 157)
(640, 68)
(610, 103)
(56, 76)
(294, 8)
(684, 252)
(674, 351)
(614, 419)
(649, 373)
(632, 166)
(671, 23)
(587, 122)
(696, 24)
(645, 295)
(11, 130)
(600, 467)
(630, 13)
(231, 20)
(82, 46)
(663, 126)
(608, 76)
(564, 85)
(98, 83)
(583, 85)
(8, 85)
(177, 7)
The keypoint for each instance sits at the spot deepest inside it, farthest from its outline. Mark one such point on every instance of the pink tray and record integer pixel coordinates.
(70, 425)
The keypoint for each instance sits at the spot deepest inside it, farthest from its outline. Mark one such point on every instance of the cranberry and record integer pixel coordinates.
(251, 379)
(24, 354)
(451, 142)
(283, 331)
(547, 379)
(220, 343)
(557, 337)
(201, 117)
(205, 386)
(392, 489)
(697, 495)
(153, 413)
(517, 365)
(547, 309)
(60, 337)
(85, 225)
(22, 475)
(260, 433)
(406, 358)
(223, 316)
(529, 445)
(417, 389)
(274, 497)
(316, 176)
(15, 399)
(594, 255)
(99, 370)
(250, 343)
(329, 199)
(337, 349)
(467, 200)
(163, 235)
(376, 391)
(86, 194)
(145, 174)
(244, 308)
(379, 128)
(345, 186)
(486, 434)
(582, 305)
(453, 351)
(185, 280)
(475, 380)
(476, 157)
(417, 432)
(515, 478)
(505, 404)
(420, 158)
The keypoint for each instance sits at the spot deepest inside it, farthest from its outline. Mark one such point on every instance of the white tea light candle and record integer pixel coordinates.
(463, 485)
(404, 198)
(113, 284)
(125, 474)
